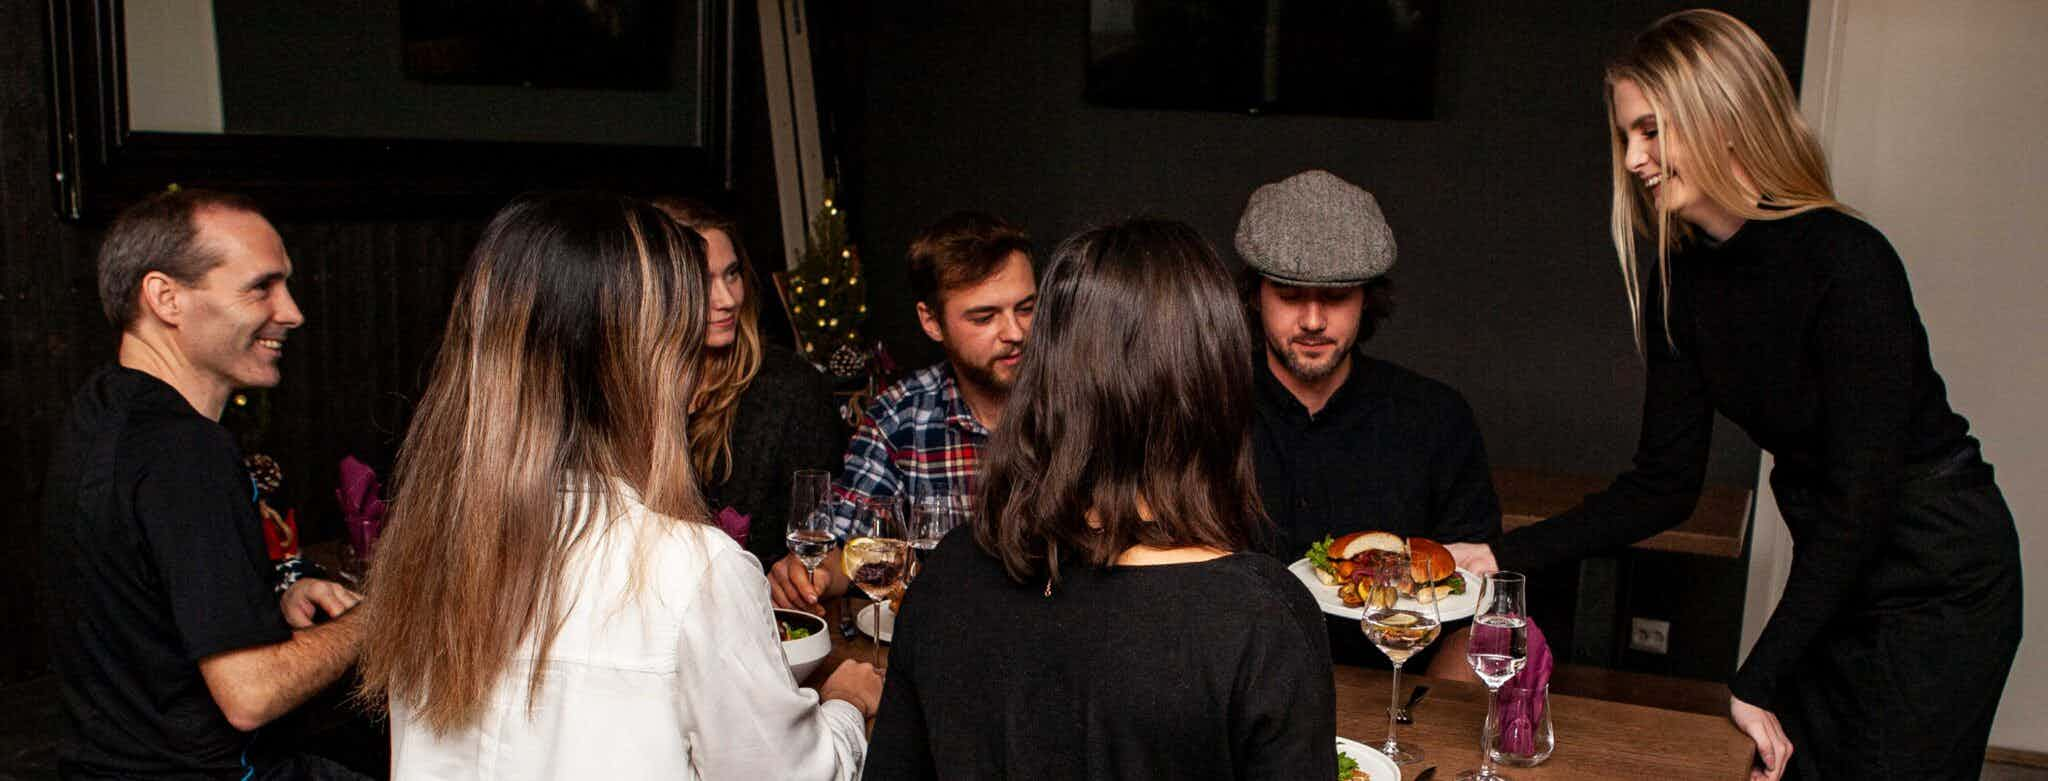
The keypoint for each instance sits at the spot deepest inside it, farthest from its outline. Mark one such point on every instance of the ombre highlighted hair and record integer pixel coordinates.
(564, 378)
(1719, 92)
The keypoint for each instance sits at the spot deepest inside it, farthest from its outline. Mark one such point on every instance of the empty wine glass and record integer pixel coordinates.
(1498, 649)
(931, 517)
(1399, 628)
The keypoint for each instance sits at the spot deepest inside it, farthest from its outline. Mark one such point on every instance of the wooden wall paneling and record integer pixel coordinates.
(51, 325)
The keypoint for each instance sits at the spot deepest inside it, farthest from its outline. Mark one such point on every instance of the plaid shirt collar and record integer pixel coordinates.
(958, 414)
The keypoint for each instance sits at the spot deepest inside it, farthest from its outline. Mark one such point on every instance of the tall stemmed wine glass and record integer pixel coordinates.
(809, 532)
(876, 556)
(931, 517)
(1498, 649)
(1400, 629)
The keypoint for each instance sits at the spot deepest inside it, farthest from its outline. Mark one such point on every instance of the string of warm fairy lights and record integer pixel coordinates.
(827, 301)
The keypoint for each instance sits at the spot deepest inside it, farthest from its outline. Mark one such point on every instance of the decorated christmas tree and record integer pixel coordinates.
(827, 301)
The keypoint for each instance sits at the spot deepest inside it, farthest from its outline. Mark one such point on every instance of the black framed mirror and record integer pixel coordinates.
(387, 108)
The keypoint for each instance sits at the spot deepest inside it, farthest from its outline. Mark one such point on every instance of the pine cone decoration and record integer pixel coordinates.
(264, 471)
(846, 362)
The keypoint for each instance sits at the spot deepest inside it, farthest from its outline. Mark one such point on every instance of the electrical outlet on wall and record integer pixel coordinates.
(1650, 635)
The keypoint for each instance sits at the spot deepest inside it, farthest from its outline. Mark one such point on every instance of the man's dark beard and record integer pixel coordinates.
(1339, 353)
(980, 375)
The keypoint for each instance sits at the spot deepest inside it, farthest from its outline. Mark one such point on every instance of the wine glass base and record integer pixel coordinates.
(1481, 775)
(1401, 753)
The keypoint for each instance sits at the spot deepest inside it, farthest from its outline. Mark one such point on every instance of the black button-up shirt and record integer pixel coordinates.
(1392, 450)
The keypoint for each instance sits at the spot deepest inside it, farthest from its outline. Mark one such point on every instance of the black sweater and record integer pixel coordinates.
(786, 422)
(1391, 450)
(1803, 332)
(1217, 669)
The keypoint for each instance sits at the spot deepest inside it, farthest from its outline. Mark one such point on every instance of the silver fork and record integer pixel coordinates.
(1401, 716)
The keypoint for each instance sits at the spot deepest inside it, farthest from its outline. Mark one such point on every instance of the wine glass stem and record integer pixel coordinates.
(1486, 734)
(1393, 707)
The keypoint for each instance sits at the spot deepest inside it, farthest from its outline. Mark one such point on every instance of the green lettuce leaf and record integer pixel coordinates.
(1319, 554)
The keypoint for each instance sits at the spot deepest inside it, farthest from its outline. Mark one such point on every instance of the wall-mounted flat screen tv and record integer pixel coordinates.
(1368, 58)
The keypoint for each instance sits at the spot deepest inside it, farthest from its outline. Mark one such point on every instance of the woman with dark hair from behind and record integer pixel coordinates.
(1104, 619)
(759, 412)
(557, 603)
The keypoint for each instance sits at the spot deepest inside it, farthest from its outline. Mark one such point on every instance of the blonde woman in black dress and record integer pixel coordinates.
(1775, 305)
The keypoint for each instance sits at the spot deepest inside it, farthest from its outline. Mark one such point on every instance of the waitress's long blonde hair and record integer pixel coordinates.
(563, 378)
(1719, 91)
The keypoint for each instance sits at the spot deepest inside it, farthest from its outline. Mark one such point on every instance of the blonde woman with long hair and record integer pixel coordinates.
(759, 412)
(1771, 303)
(555, 602)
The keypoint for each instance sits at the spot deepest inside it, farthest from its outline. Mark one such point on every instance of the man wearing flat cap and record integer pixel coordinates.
(1343, 441)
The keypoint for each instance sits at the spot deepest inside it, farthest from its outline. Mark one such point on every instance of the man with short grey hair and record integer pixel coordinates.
(1343, 441)
(174, 645)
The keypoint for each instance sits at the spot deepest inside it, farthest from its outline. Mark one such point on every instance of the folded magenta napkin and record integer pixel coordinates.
(1523, 699)
(362, 505)
(735, 524)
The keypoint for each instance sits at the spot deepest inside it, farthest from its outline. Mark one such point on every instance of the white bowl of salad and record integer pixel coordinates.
(804, 641)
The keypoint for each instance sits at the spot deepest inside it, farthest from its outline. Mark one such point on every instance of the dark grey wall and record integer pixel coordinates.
(1508, 284)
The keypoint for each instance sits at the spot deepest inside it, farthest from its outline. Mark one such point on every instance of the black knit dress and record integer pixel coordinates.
(787, 421)
(1886, 656)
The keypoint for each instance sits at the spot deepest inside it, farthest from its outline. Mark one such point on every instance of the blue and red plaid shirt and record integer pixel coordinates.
(918, 439)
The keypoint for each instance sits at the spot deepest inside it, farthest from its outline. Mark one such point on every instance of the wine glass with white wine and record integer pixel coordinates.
(1399, 628)
(809, 532)
(876, 555)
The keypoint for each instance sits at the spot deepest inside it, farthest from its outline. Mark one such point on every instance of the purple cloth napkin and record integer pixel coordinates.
(735, 524)
(1523, 699)
(362, 505)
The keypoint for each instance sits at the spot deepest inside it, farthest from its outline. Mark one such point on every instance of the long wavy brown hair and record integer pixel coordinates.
(1165, 425)
(725, 373)
(1720, 93)
(563, 378)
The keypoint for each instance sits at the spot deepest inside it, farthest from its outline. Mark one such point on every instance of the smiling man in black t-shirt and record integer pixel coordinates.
(172, 645)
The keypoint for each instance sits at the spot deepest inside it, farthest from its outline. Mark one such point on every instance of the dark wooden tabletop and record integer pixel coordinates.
(1596, 739)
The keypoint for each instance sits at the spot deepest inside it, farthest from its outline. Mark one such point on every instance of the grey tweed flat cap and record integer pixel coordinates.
(1315, 230)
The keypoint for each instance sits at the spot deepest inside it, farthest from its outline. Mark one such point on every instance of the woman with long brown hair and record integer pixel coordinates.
(759, 412)
(1773, 304)
(1104, 620)
(552, 600)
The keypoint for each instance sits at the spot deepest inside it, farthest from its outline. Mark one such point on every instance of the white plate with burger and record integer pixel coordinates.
(1337, 571)
(1367, 763)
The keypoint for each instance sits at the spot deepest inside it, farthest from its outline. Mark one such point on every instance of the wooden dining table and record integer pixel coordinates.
(1596, 739)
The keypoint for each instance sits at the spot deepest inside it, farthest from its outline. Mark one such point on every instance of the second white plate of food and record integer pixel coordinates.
(1450, 608)
(1376, 765)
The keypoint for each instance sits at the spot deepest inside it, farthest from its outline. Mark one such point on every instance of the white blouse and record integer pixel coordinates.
(687, 681)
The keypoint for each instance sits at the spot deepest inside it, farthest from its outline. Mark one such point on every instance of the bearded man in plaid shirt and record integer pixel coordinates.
(976, 289)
